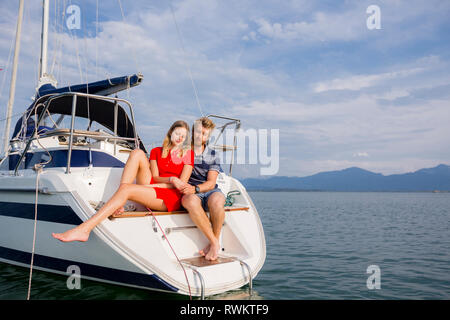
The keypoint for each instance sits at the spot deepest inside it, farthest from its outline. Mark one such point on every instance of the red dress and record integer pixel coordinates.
(170, 166)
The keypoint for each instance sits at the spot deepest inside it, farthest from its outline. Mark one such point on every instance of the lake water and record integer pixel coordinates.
(319, 246)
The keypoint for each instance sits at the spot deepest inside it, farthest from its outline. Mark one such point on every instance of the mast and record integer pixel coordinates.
(12, 90)
(45, 77)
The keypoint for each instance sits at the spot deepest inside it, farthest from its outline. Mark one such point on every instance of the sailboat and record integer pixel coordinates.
(54, 175)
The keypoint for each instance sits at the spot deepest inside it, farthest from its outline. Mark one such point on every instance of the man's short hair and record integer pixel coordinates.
(206, 123)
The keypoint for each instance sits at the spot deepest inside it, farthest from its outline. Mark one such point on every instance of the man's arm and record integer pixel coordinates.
(208, 185)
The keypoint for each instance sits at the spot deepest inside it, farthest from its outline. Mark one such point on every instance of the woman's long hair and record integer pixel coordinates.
(167, 143)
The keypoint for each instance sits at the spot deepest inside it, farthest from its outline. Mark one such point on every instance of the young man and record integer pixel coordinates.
(201, 193)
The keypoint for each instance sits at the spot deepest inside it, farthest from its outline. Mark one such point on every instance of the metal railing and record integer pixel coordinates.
(72, 130)
(237, 124)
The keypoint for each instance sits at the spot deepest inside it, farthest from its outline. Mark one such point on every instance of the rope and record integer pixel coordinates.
(186, 63)
(38, 168)
(181, 264)
(50, 117)
(230, 197)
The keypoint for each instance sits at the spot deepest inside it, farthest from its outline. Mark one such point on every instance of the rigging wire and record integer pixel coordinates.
(180, 38)
(61, 69)
(12, 116)
(58, 37)
(3, 82)
(87, 69)
(75, 39)
(96, 42)
(28, 15)
(7, 66)
(55, 30)
(132, 47)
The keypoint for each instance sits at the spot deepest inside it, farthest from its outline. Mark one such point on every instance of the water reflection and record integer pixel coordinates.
(49, 286)
(239, 294)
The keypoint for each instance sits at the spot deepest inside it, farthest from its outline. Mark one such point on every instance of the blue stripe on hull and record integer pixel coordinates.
(80, 159)
(46, 212)
(88, 270)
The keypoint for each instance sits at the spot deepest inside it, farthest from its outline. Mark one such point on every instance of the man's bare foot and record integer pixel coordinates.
(213, 252)
(205, 250)
(75, 234)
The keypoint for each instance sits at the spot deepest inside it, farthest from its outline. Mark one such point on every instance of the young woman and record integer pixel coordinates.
(169, 170)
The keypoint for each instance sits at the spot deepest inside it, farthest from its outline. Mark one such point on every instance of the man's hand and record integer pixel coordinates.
(188, 190)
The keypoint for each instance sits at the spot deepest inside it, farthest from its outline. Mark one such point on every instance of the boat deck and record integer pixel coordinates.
(134, 214)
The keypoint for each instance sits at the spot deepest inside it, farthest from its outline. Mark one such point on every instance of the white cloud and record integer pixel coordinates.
(324, 26)
(362, 81)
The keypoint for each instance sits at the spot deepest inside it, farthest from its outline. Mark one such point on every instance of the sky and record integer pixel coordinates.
(339, 93)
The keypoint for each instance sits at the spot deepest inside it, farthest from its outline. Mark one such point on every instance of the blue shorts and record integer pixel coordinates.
(204, 196)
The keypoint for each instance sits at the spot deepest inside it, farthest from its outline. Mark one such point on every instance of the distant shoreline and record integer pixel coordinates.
(355, 179)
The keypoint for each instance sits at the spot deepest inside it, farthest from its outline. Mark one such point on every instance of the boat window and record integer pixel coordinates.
(64, 122)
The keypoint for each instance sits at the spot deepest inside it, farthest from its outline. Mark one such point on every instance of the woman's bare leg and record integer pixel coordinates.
(142, 194)
(137, 168)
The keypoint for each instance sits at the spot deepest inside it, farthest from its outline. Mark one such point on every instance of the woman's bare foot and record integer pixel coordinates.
(127, 207)
(119, 211)
(213, 251)
(75, 234)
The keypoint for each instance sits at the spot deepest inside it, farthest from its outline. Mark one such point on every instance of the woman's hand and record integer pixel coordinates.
(178, 183)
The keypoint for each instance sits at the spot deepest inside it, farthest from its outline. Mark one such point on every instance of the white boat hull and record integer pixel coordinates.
(126, 251)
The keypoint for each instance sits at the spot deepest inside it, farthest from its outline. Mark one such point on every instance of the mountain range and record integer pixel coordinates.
(357, 179)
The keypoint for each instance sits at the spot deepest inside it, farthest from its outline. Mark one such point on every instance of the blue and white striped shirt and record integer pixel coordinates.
(203, 163)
